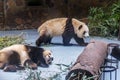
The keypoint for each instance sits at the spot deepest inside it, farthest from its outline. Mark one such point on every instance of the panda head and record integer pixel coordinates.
(47, 55)
(80, 28)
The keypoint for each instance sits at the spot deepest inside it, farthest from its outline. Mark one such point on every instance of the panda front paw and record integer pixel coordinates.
(83, 44)
(67, 44)
(30, 64)
(44, 65)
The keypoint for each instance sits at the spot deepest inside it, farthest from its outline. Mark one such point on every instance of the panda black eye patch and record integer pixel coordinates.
(84, 32)
(79, 27)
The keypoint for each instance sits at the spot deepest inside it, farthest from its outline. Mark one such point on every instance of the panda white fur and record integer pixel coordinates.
(66, 27)
(17, 55)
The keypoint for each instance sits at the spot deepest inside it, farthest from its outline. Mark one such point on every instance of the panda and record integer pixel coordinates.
(68, 28)
(18, 56)
(114, 50)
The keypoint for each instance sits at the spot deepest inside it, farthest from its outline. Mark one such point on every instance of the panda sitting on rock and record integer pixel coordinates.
(68, 28)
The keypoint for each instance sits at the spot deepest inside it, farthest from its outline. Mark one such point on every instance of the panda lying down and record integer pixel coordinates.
(19, 56)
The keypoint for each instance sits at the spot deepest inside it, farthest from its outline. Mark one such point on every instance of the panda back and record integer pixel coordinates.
(54, 27)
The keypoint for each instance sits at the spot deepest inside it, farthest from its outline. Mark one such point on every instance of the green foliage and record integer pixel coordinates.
(29, 74)
(105, 21)
(10, 40)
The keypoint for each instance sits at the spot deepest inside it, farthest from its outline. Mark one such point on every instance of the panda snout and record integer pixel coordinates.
(50, 60)
(86, 35)
(87, 39)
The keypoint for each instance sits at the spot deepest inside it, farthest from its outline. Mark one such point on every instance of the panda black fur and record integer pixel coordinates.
(116, 52)
(19, 55)
(66, 27)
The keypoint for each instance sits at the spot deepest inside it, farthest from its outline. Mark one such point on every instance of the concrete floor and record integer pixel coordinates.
(62, 55)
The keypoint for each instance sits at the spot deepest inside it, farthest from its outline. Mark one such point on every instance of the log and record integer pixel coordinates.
(89, 62)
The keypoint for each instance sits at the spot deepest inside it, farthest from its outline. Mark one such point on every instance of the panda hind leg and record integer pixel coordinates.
(12, 63)
(43, 39)
(7, 67)
(10, 68)
(40, 40)
(2, 65)
(47, 40)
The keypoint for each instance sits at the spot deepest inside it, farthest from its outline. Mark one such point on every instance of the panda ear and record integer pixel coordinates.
(79, 27)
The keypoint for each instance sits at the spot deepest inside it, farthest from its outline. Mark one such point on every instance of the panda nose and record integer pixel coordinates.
(51, 58)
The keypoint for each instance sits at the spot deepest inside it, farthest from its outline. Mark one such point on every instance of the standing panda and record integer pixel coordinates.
(18, 56)
(68, 28)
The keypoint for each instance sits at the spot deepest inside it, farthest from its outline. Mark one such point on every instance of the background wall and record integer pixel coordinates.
(24, 14)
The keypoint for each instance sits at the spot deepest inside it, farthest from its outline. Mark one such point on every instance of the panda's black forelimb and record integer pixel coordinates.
(68, 32)
(80, 41)
(43, 65)
(66, 39)
(41, 62)
(37, 57)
